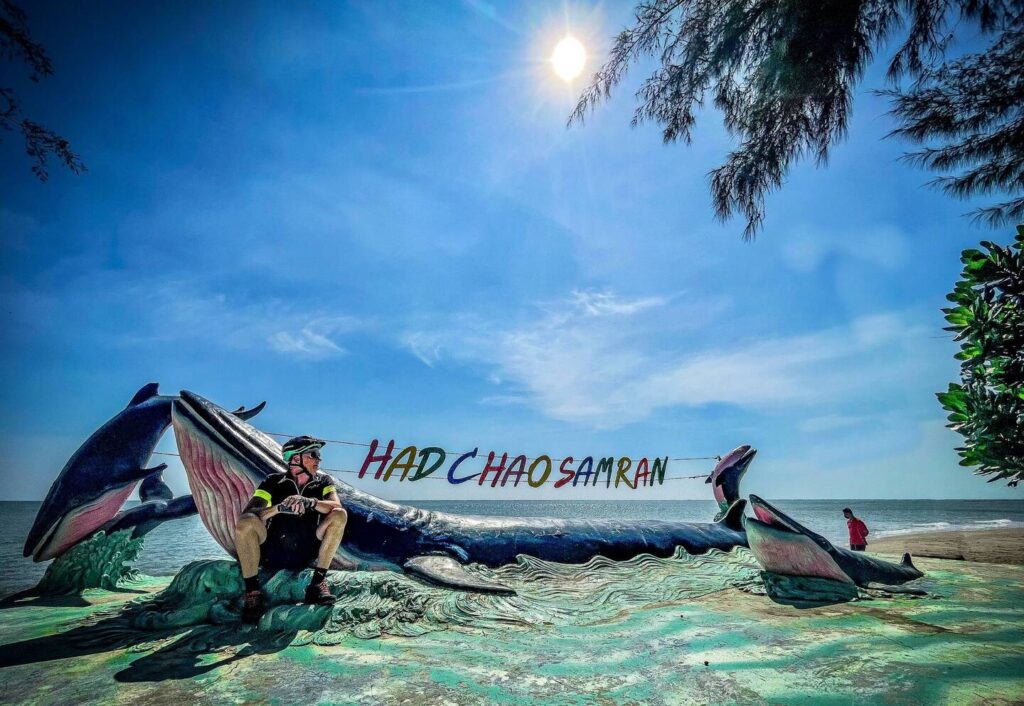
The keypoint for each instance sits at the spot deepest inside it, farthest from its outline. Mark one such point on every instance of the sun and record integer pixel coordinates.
(569, 58)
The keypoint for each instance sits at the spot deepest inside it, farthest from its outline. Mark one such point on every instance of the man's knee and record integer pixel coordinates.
(337, 517)
(249, 526)
(334, 521)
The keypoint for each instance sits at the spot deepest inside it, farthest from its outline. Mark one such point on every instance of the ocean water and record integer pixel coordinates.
(176, 543)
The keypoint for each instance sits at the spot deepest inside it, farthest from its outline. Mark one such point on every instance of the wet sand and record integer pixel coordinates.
(998, 546)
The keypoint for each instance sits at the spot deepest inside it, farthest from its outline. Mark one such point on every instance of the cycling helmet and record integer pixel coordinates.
(298, 445)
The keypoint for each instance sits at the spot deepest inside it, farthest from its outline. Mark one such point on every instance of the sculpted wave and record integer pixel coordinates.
(204, 594)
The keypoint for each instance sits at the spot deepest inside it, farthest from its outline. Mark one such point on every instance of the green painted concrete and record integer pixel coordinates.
(635, 632)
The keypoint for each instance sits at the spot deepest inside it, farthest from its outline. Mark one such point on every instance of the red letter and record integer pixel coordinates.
(567, 473)
(370, 458)
(497, 469)
(641, 472)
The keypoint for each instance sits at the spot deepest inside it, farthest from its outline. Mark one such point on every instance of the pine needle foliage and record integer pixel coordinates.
(975, 105)
(987, 406)
(783, 73)
(17, 45)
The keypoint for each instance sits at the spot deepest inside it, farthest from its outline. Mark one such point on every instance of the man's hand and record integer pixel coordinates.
(298, 504)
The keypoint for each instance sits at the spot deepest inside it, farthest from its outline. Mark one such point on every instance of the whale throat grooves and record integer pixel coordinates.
(219, 485)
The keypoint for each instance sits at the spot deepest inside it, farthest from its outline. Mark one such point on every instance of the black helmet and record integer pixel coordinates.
(300, 444)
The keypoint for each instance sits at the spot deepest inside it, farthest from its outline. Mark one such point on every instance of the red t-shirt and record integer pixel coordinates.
(858, 531)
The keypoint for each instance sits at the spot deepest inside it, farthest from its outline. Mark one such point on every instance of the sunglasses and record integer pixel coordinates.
(315, 453)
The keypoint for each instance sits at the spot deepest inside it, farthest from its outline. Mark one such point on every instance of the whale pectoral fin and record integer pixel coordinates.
(144, 473)
(445, 571)
(733, 517)
(247, 414)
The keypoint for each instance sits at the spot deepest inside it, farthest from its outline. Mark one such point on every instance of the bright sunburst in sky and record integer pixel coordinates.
(569, 58)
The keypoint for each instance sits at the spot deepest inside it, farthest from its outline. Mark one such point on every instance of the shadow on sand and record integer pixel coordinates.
(179, 652)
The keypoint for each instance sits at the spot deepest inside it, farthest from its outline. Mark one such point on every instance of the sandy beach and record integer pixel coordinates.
(998, 546)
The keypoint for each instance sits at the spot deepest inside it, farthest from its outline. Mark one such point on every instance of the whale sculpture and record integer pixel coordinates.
(784, 546)
(726, 476)
(92, 487)
(225, 459)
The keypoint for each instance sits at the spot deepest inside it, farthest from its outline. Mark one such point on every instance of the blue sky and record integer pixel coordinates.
(374, 217)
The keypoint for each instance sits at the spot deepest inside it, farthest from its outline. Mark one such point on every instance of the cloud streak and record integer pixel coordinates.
(604, 361)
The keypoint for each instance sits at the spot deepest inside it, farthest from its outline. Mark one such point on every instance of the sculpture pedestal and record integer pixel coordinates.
(99, 562)
(807, 589)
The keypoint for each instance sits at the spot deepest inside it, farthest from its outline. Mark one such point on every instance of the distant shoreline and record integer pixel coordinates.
(987, 546)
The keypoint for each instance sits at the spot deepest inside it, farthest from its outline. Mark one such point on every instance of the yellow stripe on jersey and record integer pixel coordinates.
(262, 495)
(328, 490)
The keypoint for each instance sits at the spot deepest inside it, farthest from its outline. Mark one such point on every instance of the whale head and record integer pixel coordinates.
(725, 477)
(225, 459)
(784, 546)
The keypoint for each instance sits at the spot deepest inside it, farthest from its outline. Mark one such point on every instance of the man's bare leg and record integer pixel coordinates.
(330, 532)
(250, 533)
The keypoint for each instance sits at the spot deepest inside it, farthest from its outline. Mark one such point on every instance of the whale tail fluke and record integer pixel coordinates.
(145, 392)
(733, 517)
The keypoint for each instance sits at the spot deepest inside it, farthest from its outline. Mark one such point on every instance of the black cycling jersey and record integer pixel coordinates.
(291, 539)
(278, 486)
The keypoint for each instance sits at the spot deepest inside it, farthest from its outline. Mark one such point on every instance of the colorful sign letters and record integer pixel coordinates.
(412, 465)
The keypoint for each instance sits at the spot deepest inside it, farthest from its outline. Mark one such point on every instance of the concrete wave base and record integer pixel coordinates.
(656, 631)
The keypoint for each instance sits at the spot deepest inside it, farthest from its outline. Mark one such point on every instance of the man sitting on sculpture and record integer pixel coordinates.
(293, 518)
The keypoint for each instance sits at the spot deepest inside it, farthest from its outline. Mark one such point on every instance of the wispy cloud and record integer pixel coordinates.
(244, 324)
(175, 311)
(313, 340)
(425, 345)
(605, 361)
(606, 303)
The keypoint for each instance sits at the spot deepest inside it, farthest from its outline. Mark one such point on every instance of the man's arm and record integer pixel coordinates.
(328, 502)
(259, 506)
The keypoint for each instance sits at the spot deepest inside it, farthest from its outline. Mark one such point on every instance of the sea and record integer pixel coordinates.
(176, 543)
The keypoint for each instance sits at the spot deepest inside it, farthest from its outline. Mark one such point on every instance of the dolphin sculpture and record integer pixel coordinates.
(784, 546)
(102, 474)
(726, 475)
(225, 459)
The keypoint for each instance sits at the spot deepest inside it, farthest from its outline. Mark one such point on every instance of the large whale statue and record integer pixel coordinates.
(784, 546)
(225, 459)
(94, 484)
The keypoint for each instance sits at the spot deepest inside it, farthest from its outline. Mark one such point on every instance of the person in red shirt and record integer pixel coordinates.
(858, 531)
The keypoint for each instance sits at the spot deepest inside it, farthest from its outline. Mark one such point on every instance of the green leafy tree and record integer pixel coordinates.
(987, 407)
(783, 74)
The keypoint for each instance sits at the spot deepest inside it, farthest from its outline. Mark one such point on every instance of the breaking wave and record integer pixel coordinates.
(974, 526)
